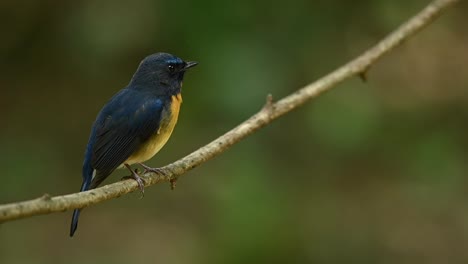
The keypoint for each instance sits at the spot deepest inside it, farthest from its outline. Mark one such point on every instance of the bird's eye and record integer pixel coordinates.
(171, 68)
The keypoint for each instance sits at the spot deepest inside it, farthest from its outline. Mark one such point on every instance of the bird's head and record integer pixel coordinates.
(161, 71)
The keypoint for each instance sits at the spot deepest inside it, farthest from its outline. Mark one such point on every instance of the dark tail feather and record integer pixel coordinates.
(74, 223)
(76, 212)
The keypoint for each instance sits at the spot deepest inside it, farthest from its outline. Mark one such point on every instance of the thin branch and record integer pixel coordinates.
(359, 66)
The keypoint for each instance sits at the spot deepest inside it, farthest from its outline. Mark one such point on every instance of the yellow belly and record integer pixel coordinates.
(160, 137)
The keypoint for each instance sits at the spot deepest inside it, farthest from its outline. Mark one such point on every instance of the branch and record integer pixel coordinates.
(271, 111)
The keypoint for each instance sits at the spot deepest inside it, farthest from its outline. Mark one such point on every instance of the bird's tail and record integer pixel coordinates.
(76, 213)
(74, 223)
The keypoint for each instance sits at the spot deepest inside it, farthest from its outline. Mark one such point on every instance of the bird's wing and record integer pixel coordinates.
(123, 125)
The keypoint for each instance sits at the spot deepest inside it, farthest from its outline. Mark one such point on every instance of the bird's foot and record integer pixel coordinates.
(172, 181)
(134, 175)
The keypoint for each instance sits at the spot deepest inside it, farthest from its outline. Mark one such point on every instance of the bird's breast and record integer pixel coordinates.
(154, 144)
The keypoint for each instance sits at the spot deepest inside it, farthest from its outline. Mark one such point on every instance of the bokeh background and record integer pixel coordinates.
(370, 172)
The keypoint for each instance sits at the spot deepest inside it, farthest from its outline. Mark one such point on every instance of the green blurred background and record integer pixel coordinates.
(368, 173)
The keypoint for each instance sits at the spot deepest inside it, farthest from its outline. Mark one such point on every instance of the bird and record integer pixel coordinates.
(135, 123)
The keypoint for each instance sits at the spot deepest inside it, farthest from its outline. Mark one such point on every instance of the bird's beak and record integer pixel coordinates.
(190, 64)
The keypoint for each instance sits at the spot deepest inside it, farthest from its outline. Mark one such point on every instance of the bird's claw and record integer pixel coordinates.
(172, 181)
(155, 170)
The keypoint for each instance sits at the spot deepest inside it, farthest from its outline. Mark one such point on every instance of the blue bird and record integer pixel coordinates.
(136, 123)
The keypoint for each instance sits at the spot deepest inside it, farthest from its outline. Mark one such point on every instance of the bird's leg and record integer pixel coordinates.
(134, 175)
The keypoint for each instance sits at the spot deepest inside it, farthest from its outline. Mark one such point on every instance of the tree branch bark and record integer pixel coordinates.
(271, 111)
